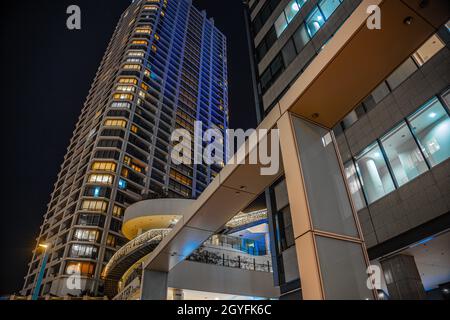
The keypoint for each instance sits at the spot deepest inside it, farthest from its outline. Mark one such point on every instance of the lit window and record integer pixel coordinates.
(354, 186)
(431, 126)
(104, 166)
(122, 184)
(134, 60)
(125, 105)
(83, 251)
(86, 235)
(83, 268)
(115, 123)
(328, 7)
(123, 96)
(140, 42)
(118, 211)
(314, 22)
(125, 88)
(281, 24)
(403, 154)
(135, 53)
(374, 173)
(100, 178)
(132, 67)
(128, 81)
(94, 205)
(291, 10)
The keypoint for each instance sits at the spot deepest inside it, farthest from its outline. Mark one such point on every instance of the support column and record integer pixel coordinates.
(402, 278)
(154, 285)
(331, 253)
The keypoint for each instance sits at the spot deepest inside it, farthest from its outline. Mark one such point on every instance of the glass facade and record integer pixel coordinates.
(418, 143)
(431, 126)
(374, 172)
(314, 22)
(403, 154)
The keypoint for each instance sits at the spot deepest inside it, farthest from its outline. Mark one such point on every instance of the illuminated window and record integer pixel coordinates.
(132, 67)
(115, 123)
(128, 81)
(100, 178)
(146, 30)
(125, 105)
(86, 235)
(125, 88)
(314, 22)
(140, 42)
(329, 6)
(135, 53)
(431, 127)
(144, 86)
(375, 176)
(122, 184)
(123, 96)
(180, 178)
(134, 128)
(83, 251)
(118, 211)
(83, 268)
(104, 166)
(403, 154)
(94, 205)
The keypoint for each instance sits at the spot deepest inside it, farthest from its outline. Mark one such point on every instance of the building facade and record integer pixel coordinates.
(393, 141)
(164, 69)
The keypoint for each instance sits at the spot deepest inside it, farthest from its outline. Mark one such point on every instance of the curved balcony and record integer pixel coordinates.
(153, 214)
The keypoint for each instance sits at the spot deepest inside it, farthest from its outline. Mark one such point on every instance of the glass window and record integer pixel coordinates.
(328, 7)
(291, 10)
(354, 186)
(314, 22)
(374, 173)
(403, 154)
(431, 126)
(280, 24)
(428, 50)
(301, 38)
(276, 67)
(288, 52)
(401, 74)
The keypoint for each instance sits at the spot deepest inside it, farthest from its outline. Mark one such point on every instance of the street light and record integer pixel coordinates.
(37, 288)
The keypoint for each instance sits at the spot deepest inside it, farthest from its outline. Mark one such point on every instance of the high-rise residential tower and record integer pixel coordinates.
(165, 68)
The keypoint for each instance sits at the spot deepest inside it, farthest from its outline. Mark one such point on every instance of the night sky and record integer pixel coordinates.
(47, 71)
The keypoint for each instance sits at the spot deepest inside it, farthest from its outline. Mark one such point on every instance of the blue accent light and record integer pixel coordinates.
(122, 184)
(422, 242)
(97, 192)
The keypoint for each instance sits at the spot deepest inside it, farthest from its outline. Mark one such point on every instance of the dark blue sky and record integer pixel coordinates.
(47, 71)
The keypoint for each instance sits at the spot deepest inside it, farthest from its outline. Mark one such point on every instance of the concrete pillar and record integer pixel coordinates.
(154, 285)
(331, 254)
(402, 278)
